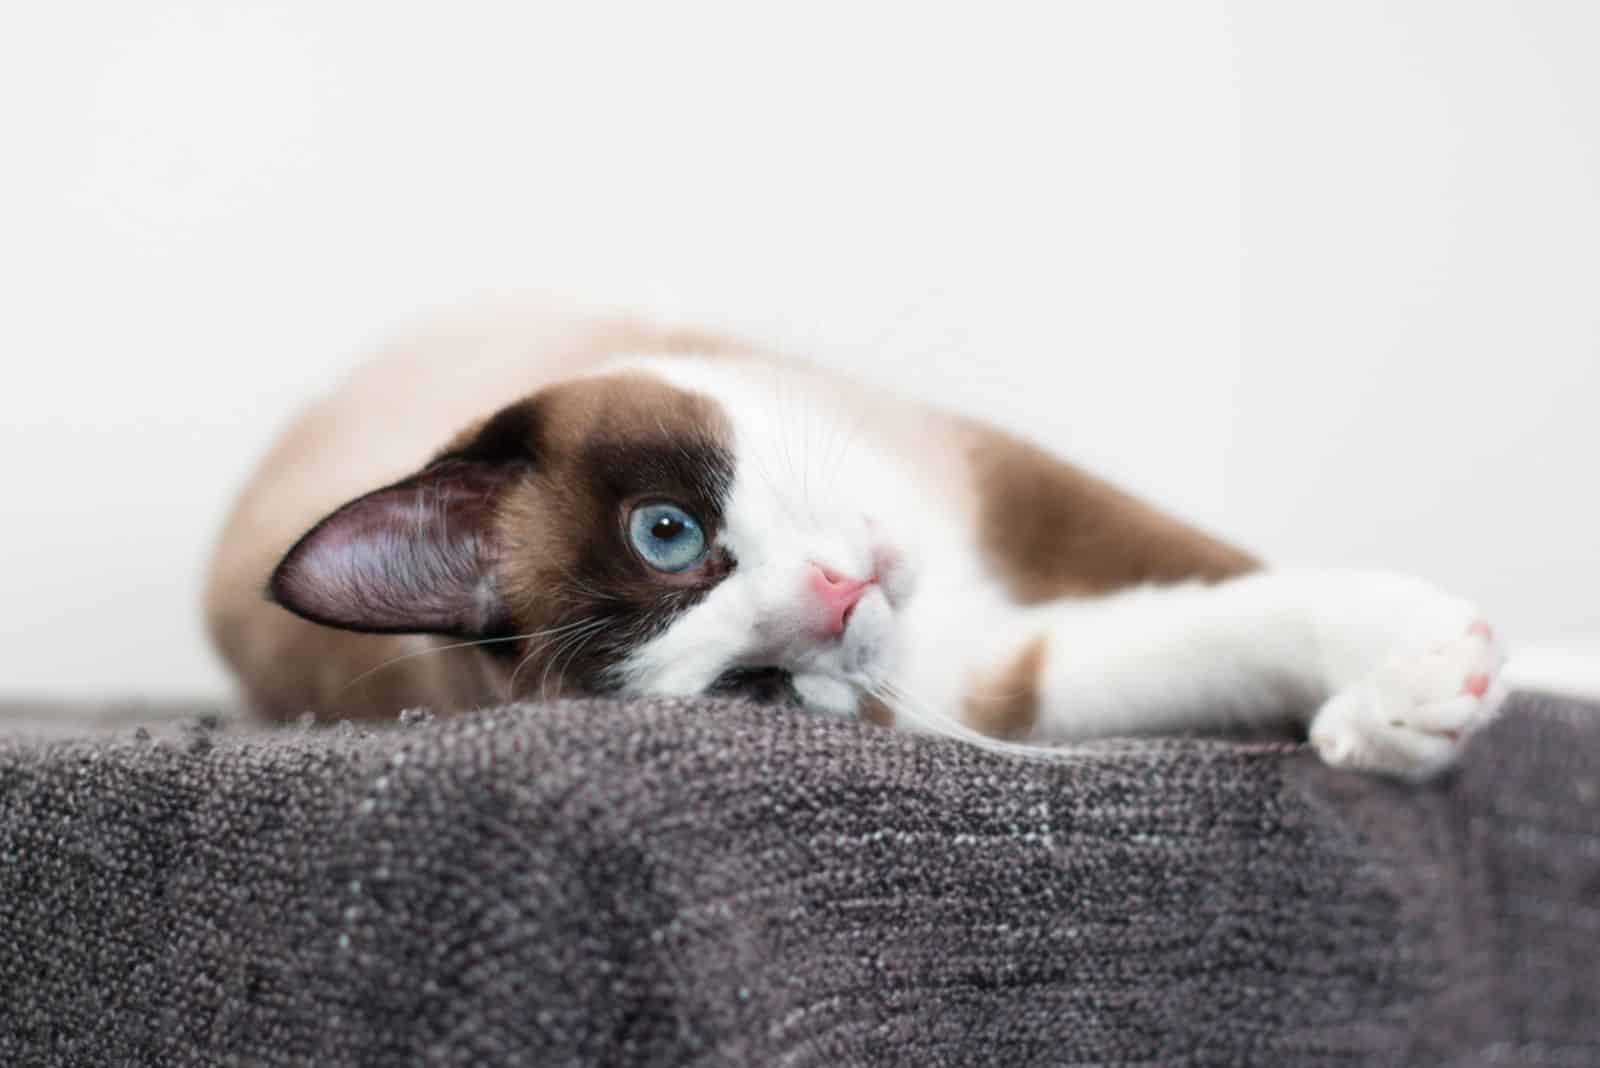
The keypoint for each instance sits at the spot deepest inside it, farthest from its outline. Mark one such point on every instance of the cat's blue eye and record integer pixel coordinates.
(667, 537)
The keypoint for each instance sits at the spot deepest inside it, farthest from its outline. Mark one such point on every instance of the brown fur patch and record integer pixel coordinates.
(1005, 702)
(518, 532)
(565, 567)
(378, 427)
(1051, 530)
(874, 711)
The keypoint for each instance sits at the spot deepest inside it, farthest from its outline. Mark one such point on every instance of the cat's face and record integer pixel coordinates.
(624, 534)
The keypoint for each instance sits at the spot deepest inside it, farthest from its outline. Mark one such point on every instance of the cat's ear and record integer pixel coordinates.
(414, 557)
(417, 557)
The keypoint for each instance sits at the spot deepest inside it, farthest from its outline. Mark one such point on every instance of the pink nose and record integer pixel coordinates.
(837, 595)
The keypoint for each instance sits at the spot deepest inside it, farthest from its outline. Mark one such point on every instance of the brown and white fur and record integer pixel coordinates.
(449, 528)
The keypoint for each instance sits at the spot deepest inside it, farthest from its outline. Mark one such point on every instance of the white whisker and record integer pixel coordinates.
(548, 636)
(574, 639)
(904, 703)
(425, 652)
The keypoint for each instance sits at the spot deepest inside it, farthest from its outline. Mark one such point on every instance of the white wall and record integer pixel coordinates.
(1328, 282)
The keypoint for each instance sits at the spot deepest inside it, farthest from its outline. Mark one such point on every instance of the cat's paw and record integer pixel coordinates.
(1414, 715)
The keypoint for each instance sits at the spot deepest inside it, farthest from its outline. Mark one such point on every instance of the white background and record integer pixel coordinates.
(1323, 276)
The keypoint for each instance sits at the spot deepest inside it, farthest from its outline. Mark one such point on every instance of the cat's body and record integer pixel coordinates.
(623, 509)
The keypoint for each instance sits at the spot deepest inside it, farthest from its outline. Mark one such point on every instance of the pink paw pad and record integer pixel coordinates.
(1482, 630)
(1477, 684)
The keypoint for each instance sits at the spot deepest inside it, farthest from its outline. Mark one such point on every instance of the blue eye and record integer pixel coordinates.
(667, 537)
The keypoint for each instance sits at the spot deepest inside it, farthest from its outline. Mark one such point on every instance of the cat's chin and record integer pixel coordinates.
(868, 640)
(828, 696)
(835, 682)
(822, 694)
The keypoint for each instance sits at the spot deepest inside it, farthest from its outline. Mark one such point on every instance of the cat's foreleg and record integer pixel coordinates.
(1388, 673)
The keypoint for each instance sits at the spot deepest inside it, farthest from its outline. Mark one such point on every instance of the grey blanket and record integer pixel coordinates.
(717, 884)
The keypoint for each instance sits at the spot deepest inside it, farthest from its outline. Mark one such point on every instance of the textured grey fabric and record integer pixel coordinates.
(717, 884)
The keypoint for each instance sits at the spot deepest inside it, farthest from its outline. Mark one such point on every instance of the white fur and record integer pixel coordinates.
(806, 490)
(1382, 660)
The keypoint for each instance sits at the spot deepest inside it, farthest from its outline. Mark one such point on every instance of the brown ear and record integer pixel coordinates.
(414, 557)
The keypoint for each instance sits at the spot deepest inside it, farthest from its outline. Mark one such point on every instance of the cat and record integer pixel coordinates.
(554, 503)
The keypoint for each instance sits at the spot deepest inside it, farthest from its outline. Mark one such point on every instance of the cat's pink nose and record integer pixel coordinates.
(837, 595)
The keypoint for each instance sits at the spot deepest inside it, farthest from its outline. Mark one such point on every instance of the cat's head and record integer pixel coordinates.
(620, 534)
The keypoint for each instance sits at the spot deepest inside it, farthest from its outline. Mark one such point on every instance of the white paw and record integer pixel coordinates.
(1413, 716)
